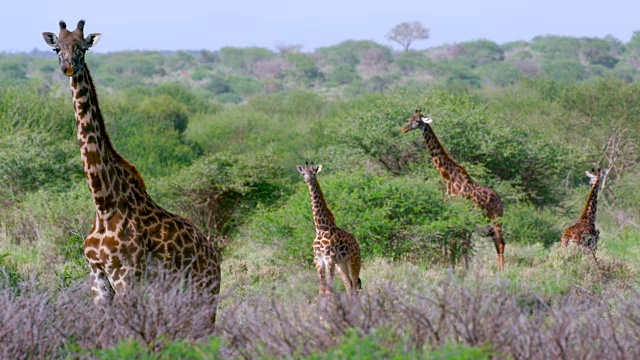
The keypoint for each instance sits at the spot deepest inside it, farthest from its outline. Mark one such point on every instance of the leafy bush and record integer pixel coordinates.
(396, 217)
(482, 52)
(564, 70)
(219, 191)
(524, 224)
(31, 160)
(469, 132)
(179, 349)
(165, 112)
(245, 86)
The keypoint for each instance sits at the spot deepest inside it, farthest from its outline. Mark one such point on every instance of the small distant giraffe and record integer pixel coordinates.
(459, 182)
(584, 232)
(131, 234)
(332, 246)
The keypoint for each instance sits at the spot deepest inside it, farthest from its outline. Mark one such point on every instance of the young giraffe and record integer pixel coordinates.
(584, 232)
(332, 246)
(459, 182)
(131, 233)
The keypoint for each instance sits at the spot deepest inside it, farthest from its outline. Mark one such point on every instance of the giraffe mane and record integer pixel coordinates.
(116, 155)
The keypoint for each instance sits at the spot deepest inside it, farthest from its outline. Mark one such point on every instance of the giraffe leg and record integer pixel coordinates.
(331, 270)
(498, 241)
(101, 290)
(322, 274)
(343, 270)
(120, 280)
(354, 271)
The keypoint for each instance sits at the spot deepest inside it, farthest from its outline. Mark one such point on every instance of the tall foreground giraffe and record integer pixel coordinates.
(584, 232)
(131, 234)
(332, 246)
(459, 182)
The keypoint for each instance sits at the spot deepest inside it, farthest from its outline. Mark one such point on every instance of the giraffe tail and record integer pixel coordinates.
(359, 284)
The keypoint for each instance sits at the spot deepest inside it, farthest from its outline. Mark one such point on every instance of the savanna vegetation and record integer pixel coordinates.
(217, 135)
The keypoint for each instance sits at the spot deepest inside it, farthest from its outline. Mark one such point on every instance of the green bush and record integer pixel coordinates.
(524, 224)
(470, 133)
(396, 217)
(130, 349)
(31, 160)
(219, 191)
(165, 112)
(384, 344)
(564, 70)
(245, 86)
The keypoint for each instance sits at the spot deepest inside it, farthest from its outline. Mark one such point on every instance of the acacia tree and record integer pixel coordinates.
(407, 32)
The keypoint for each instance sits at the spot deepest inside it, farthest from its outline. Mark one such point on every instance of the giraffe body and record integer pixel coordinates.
(458, 182)
(332, 247)
(584, 232)
(131, 235)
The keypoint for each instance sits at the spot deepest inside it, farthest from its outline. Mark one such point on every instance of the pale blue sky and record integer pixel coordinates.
(202, 24)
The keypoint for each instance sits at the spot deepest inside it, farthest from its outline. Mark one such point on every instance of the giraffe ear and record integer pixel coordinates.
(318, 168)
(426, 120)
(591, 176)
(92, 39)
(300, 168)
(50, 38)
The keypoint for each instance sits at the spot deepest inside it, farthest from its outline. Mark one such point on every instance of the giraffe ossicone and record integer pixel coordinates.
(131, 233)
(458, 182)
(332, 247)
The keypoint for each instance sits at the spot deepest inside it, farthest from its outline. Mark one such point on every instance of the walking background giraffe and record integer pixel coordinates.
(458, 182)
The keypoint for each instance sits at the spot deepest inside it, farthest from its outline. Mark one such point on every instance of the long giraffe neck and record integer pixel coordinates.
(322, 216)
(109, 175)
(441, 159)
(589, 212)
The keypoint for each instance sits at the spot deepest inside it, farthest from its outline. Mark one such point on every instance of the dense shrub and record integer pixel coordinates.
(396, 217)
(164, 111)
(218, 192)
(469, 132)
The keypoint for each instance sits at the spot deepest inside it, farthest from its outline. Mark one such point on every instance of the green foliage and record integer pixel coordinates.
(384, 344)
(564, 70)
(556, 47)
(482, 52)
(241, 60)
(302, 68)
(348, 52)
(501, 74)
(155, 147)
(9, 275)
(523, 224)
(245, 86)
(396, 217)
(469, 132)
(131, 349)
(412, 61)
(168, 113)
(13, 68)
(194, 104)
(219, 191)
(343, 74)
(218, 84)
(24, 166)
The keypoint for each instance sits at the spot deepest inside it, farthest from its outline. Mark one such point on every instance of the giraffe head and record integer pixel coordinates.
(417, 121)
(309, 171)
(71, 46)
(594, 175)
